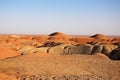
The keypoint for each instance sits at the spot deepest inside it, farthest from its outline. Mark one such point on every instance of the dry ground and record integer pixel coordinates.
(74, 67)
(42, 66)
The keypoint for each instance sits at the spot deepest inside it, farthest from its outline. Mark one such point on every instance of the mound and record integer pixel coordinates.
(40, 39)
(59, 37)
(82, 40)
(99, 36)
(6, 52)
(50, 44)
(58, 34)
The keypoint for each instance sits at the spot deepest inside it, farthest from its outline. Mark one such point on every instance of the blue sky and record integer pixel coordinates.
(86, 17)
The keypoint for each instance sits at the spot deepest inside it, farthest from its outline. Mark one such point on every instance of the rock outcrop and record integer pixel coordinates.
(60, 49)
(115, 54)
(85, 48)
(97, 49)
(57, 50)
(26, 50)
(59, 43)
(50, 44)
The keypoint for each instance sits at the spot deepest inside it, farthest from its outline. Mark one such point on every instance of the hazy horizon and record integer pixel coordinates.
(82, 17)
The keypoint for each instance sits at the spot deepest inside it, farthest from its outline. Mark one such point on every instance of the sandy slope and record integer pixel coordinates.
(94, 66)
(42, 66)
(6, 77)
(6, 52)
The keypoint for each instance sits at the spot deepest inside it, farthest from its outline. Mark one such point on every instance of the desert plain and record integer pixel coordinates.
(59, 56)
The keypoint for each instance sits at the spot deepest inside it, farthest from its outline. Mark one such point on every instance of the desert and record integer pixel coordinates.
(59, 56)
(59, 39)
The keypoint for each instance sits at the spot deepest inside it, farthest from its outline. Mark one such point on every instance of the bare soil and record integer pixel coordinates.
(43, 66)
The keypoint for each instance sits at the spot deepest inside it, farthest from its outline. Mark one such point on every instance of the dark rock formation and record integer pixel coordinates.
(49, 44)
(106, 49)
(115, 54)
(97, 49)
(85, 48)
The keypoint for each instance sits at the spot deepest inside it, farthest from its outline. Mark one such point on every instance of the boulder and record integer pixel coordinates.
(81, 49)
(57, 50)
(115, 54)
(74, 50)
(49, 44)
(66, 50)
(97, 49)
(27, 49)
(106, 49)
(43, 49)
(60, 49)
(112, 47)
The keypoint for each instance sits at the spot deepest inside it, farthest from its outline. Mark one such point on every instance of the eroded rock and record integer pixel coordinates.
(97, 49)
(115, 54)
